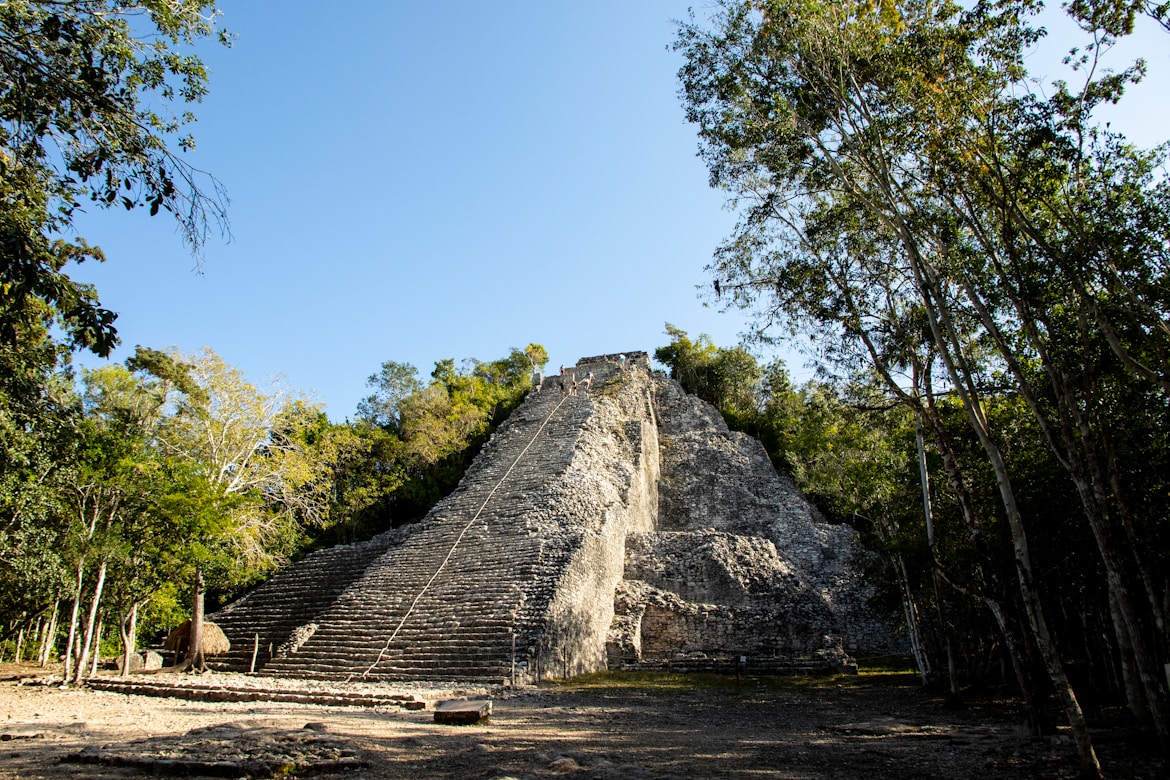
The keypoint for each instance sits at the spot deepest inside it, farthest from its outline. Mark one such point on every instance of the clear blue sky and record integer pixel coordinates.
(414, 181)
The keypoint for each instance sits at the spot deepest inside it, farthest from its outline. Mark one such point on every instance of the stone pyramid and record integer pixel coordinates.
(622, 526)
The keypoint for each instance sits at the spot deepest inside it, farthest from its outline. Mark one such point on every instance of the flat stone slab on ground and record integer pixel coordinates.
(463, 712)
(230, 750)
(28, 733)
(231, 688)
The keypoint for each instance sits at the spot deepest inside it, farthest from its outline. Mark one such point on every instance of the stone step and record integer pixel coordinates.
(334, 698)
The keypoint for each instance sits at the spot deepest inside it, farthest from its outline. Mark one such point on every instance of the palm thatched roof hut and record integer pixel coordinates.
(215, 642)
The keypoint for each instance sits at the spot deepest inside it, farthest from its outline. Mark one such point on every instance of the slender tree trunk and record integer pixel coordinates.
(37, 637)
(1130, 678)
(1133, 542)
(1090, 766)
(1146, 698)
(1070, 434)
(90, 624)
(49, 640)
(195, 649)
(19, 645)
(128, 628)
(74, 615)
(926, 410)
(988, 586)
(97, 644)
(912, 624)
(924, 478)
(950, 349)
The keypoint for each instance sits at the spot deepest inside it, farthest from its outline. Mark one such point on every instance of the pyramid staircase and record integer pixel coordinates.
(463, 595)
(259, 623)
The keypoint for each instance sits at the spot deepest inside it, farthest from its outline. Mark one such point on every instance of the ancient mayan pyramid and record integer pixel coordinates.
(626, 526)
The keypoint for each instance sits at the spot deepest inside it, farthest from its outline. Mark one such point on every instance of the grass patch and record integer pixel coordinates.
(888, 664)
(888, 670)
(647, 680)
(883, 671)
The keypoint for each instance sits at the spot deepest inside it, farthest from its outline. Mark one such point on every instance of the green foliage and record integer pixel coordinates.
(728, 379)
(989, 258)
(537, 355)
(91, 96)
(162, 469)
(412, 442)
(86, 99)
(39, 415)
(392, 384)
(168, 607)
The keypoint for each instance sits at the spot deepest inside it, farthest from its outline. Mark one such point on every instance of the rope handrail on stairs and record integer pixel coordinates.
(458, 539)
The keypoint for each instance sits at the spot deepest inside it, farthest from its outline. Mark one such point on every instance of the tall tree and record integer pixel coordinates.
(393, 383)
(126, 407)
(848, 131)
(39, 420)
(248, 473)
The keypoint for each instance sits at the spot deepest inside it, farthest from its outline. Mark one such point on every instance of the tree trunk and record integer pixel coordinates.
(97, 644)
(90, 624)
(1131, 681)
(195, 659)
(73, 618)
(924, 478)
(36, 636)
(128, 628)
(913, 629)
(924, 409)
(950, 350)
(989, 592)
(1070, 434)
(50, 636)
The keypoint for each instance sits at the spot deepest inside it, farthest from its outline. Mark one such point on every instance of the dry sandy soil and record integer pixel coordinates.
(872, 728)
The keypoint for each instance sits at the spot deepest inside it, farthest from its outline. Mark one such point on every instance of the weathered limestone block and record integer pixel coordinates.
(741, 562)
(136, 662)
(297, 638)
(710, 565)
(654, 626)
(463, 712)
(146, 660)
(717, 594)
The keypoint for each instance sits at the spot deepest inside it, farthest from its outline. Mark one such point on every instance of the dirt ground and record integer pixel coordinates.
(872, 728)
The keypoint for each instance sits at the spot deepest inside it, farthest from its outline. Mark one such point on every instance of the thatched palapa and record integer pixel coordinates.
(215, 642)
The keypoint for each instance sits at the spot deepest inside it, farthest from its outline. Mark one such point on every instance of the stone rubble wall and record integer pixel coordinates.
(741, 564)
